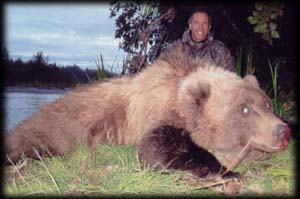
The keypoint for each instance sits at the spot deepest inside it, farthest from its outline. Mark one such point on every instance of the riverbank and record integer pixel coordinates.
(26, 89)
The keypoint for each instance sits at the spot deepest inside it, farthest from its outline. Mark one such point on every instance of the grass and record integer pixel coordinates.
(276, 101)
(273, 176)
(115, 170)
(249, 67)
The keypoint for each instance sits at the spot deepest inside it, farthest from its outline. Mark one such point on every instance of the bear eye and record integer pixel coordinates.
(245, 110)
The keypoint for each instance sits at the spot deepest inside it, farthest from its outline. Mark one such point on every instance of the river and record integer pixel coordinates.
(21, 102)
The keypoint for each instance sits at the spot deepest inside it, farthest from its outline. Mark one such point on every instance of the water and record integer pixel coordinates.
(20, 103)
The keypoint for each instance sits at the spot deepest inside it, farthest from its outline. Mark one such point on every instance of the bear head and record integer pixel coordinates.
(223, 112)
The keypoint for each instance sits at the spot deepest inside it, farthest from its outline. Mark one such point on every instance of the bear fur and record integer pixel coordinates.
(216, 109)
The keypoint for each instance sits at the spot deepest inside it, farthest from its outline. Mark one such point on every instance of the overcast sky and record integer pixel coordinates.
(67, 33)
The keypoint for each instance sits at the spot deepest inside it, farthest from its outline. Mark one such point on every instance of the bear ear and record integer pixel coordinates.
(250, 79)
(197, 91)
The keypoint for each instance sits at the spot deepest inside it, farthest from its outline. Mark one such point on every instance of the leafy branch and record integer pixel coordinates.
(264, 19)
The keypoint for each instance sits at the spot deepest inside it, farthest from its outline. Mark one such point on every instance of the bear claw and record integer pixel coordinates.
(236, 177)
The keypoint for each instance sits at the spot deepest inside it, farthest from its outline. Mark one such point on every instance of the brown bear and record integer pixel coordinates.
(182, 113)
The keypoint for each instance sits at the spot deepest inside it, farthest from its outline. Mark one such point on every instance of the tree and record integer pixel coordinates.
(4, 55)
(40, 59)
(143, 28)
(38, 72)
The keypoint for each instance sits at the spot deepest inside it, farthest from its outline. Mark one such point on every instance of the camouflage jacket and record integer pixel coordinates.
(213, 50)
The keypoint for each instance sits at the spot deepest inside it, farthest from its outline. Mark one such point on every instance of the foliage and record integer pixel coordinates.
(240, 69)
(4, 55)
(102, 73)
(276, 101)
(264, 18)
(132, 18)
(143, 28)
(273, 176)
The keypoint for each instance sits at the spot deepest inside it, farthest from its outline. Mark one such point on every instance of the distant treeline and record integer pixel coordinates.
(37, 72)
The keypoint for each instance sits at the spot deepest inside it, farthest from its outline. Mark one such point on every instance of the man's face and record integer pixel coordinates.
(199, 26)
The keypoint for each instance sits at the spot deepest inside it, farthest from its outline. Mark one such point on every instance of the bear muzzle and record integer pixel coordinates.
(282, 134)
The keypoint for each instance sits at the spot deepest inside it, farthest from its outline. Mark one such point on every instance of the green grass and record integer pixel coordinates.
(273, 176)
(249, 66)
(115, 170)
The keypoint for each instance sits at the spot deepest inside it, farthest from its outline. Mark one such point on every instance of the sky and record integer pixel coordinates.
(68, 33)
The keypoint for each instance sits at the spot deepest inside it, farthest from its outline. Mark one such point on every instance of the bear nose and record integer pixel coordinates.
(282, 131)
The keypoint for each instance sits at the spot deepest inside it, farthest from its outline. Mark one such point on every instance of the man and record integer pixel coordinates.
(199, 42)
